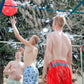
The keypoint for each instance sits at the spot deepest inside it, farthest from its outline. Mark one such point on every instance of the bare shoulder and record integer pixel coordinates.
(67, 38)
(11, 62)
(50, 35)
(35, 49)
(28, 44)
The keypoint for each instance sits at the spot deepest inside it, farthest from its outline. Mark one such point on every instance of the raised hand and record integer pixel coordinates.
(12, 19)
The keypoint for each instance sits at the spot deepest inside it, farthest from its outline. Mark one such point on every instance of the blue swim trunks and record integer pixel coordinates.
(30, 75)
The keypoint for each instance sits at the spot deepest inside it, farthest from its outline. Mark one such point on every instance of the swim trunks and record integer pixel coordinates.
(10, 81)
(59, 73)
(30, 75)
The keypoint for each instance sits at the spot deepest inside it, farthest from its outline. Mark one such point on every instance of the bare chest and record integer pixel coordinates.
(17, 66)
(28, 50)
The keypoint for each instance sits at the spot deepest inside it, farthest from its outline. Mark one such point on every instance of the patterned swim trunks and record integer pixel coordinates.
(30, 75)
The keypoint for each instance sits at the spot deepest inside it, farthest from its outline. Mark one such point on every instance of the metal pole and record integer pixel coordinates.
(81, 61)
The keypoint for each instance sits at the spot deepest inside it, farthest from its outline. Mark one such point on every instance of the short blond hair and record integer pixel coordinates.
(60, 20)
(36, 38)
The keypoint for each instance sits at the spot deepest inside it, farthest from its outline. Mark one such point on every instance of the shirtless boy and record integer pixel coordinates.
(30, 75)
(15, 70)
(58, 54)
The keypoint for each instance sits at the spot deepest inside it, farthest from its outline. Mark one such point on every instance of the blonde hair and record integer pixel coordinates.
(36, 39)
(60, 20)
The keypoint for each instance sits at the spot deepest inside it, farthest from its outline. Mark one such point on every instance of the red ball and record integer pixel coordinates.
(7, 10)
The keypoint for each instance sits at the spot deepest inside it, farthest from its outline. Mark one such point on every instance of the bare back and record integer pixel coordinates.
(30, 54)
(60, 46)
